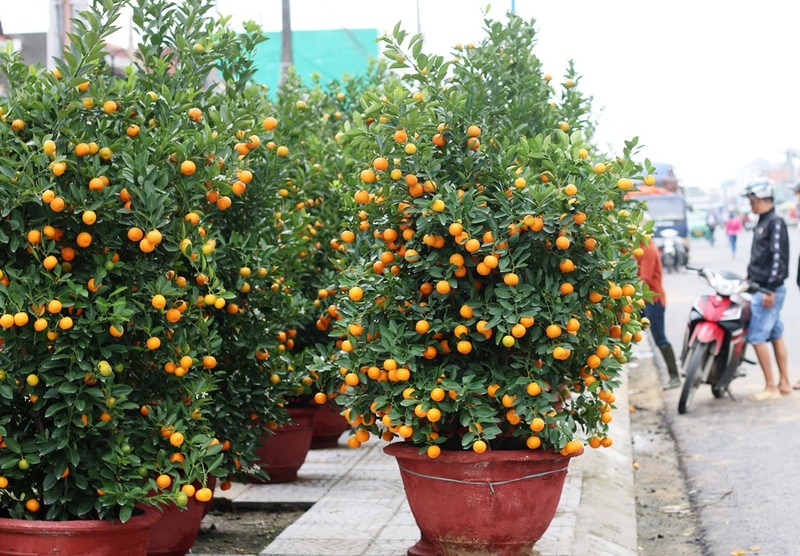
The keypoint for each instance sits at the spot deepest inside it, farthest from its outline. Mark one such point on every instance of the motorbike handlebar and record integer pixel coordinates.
(756, 288)
(751, 286)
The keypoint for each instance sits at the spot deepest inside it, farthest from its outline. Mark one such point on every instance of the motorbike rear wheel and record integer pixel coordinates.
(698, 364)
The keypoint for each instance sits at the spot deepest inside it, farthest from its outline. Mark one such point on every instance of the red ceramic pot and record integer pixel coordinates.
(91, 537)
(496, 503)
(176, 529)
(284, 451)
(329, 424)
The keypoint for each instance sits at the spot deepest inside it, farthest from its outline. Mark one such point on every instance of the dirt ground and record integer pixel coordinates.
(666, 522)
(225, 531)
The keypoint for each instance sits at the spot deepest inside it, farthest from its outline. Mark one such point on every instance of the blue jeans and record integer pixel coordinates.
(655, 312)
(766, 324)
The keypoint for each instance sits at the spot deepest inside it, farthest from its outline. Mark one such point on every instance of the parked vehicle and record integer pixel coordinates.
(715, 342)
(674, 255)
(667, 209)
(698, 224)
(665, 177)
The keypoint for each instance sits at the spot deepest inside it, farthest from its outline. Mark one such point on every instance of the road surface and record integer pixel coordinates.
(741, 457)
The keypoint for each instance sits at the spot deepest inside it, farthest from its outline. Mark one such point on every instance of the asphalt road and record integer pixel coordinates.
(741, 457)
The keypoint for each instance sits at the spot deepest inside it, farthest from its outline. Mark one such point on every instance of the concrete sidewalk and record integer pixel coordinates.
(359, 506)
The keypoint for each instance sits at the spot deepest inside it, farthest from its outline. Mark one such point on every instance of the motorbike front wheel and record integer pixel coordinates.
(697, 366)
(669, 262)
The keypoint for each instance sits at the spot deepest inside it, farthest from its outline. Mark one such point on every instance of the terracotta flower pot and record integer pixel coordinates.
(329, 424)
(176, 529)
(496, 503)
(284, 451)
(90, 537)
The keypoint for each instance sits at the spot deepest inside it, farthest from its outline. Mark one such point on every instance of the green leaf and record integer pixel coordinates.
(67, 388)
(125, 513)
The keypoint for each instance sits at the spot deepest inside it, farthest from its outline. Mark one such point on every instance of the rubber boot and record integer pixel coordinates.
(672, 367)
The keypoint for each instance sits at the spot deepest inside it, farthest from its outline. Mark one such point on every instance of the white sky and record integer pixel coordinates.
(706, 85)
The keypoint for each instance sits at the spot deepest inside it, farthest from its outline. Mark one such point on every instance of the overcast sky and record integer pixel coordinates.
(706, 85)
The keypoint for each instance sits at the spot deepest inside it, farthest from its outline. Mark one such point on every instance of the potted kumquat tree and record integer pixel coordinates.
(312, 116)
(489, 285)
(110, 367)
(270, 243)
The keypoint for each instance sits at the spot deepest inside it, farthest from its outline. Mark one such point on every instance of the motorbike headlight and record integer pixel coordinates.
(724, 286)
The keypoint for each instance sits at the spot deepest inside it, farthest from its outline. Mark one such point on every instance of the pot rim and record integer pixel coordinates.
(405, 450)
(140, 520)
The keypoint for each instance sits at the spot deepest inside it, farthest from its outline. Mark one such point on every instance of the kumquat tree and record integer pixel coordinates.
(312, 116)
(488, 272)
(110, 239)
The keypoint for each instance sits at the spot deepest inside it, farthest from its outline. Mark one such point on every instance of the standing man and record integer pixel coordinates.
(797, 196)
(768, 268)
(651, 273)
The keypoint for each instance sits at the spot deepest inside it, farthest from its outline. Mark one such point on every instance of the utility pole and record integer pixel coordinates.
(286, 39)
(55, 32)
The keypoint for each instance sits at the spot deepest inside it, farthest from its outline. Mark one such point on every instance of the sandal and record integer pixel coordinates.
(765, 395)
(796, 386)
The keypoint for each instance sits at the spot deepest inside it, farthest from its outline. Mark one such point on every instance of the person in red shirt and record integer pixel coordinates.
(651, 273)
(732, 228)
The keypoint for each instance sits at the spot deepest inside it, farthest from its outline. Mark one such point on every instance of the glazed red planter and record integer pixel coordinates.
(329, 424)
(176, 529)
(496, 503)
(91, 537)
(283, 452)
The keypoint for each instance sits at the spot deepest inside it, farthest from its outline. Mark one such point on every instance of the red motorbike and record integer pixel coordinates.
(715, 342)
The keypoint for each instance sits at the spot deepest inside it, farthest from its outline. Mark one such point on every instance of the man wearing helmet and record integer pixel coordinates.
(797, 196)
(768, 268)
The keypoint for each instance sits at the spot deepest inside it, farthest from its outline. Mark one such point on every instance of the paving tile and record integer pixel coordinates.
(279, 496)
(207, 554)
(387, 547)
(402, 528)
(237, 489)
(317, 547)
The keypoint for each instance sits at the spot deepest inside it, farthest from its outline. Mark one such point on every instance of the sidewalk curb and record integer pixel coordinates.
(607, 510)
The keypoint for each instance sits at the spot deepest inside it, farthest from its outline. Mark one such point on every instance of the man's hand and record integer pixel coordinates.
(768, 300)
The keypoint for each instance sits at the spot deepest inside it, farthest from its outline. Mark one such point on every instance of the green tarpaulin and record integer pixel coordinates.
(330, 53)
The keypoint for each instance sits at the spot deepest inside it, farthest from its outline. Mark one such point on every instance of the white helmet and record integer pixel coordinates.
(760, 188)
